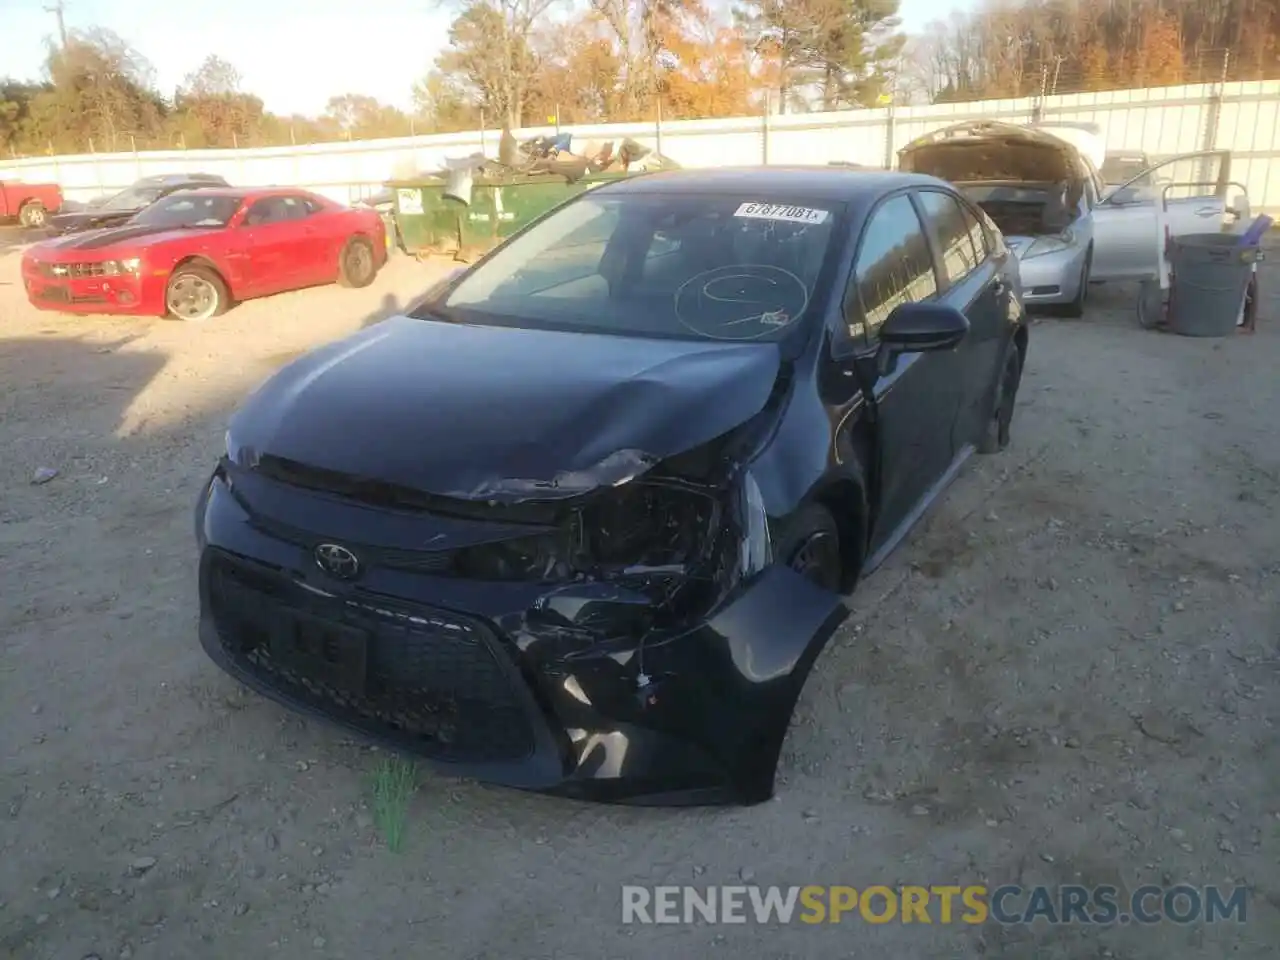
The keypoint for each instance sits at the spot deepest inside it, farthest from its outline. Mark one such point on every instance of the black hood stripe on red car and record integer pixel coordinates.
(109, 236)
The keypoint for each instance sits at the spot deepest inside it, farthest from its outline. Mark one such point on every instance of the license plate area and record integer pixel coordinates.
(328, 652)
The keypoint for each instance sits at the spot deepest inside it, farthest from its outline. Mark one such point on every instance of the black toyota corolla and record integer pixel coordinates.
(581, 521)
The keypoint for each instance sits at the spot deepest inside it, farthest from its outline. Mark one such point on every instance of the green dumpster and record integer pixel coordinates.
(431, 223)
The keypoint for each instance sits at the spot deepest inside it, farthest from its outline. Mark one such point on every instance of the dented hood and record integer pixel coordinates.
(491, 413)
(986, 150)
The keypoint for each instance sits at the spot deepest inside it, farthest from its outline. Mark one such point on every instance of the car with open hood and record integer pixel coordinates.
(581, 521)
(1041, 186)
(194, 253)
(120, 207)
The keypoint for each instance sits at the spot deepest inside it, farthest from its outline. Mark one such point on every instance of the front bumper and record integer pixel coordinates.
(1052, 278)
(459, 673)
(120, 294)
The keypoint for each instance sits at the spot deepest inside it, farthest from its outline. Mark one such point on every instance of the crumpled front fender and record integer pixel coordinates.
(709, 728)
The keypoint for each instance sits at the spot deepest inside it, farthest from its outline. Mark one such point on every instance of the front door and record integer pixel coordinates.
(1184, 195)
(269, 247)
(917, 398)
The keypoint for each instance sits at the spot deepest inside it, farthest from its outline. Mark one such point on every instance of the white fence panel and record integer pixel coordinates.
(1241, 117)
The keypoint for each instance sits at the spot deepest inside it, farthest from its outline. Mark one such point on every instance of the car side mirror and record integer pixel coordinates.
(920, 328)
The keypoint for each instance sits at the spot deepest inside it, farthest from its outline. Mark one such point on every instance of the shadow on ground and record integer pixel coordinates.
(389, 307)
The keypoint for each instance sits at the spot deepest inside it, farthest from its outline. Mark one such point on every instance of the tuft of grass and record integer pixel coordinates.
(394, 781)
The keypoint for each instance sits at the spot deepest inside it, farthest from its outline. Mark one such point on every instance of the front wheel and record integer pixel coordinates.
(195, 293)
(810, 545)
(356, 265)
(1075, 308)
(995, 436)
(33, 214)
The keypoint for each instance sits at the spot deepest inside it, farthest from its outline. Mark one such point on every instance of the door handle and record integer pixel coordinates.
(1208, 212)
(999, 287)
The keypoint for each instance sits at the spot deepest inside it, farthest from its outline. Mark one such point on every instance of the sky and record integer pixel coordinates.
(294, 54)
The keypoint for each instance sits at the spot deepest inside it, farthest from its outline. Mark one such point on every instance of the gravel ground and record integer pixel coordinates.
(1068, 674)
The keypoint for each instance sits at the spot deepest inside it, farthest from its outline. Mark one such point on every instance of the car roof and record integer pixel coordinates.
(248, 193)
(843, 184)
(237, 193)
(184, 178)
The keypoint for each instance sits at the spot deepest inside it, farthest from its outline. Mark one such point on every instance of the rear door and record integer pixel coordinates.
(1183, 195)
(971, 277)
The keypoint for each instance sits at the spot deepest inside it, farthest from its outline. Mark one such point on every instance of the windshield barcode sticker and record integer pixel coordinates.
(782, 211)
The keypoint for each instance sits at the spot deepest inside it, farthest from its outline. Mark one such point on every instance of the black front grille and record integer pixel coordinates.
(74, 269)
(433, 676)
(55, 294)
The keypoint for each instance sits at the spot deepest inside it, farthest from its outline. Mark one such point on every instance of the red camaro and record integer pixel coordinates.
(195, 252)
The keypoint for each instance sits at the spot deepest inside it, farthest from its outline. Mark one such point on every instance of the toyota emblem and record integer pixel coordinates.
(337, 561)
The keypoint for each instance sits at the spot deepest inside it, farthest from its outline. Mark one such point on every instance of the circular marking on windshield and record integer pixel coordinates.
(741, 301)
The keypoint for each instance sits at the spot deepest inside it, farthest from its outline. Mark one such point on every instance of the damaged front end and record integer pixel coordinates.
(618, 634)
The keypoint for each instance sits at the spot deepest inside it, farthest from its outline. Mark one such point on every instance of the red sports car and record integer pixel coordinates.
(195, 252)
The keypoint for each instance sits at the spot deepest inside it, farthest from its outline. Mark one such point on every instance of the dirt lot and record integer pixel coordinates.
(1069, 674)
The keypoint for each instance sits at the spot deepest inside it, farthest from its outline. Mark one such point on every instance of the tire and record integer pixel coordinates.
(356, 264)
(1075, 309)
(33, 215)
(810, 545)
(995, 435)
(195, 293)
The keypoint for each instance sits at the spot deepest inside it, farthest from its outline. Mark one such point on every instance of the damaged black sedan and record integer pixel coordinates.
(581, 522)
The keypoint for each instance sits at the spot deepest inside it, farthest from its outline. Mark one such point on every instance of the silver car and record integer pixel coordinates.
(1066, 228)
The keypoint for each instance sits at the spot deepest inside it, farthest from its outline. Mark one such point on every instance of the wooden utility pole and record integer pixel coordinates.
(59, 9)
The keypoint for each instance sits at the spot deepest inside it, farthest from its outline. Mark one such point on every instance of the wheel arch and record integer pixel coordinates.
(1021, 340)
(199, 260)
(845, 498)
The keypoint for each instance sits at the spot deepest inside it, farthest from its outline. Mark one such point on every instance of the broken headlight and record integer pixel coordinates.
(646, 530)
(544, 558)
(654, 535)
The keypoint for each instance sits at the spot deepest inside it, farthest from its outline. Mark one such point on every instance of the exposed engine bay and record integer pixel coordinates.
(1026, 209)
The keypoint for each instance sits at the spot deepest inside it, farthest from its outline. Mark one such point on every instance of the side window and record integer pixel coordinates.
(277, 210)
(264, 211)
(295, 208)
(894, 266)
(959, 256)
(977, 233)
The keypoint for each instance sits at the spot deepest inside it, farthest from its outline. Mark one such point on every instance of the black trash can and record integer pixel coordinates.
(1211, 272)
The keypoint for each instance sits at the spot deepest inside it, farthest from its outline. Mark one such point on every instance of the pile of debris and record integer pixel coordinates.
(549, 156)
